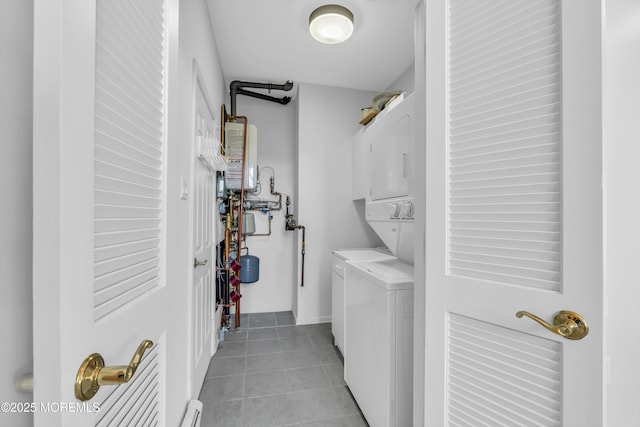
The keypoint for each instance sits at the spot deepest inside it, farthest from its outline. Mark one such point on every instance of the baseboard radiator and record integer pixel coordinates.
(193, 415)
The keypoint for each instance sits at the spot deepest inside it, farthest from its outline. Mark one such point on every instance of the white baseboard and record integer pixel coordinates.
(312, 320)
(217, 324)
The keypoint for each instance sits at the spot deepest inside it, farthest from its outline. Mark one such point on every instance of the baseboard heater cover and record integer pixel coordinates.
(193, 415)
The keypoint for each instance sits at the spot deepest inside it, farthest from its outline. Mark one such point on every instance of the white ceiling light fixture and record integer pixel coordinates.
(331, 24)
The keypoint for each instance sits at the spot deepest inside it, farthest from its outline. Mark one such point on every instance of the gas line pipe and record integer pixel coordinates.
(291, 225)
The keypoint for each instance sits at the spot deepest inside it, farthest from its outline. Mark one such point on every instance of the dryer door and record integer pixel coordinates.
(390, 138)
(390, 159)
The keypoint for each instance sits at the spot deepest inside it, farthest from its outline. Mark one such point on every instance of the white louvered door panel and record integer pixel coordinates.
(137, 403)
(505, 142)
(513, 217)
(129, 196)
(100, 137)
(129, 148)
(501, 377)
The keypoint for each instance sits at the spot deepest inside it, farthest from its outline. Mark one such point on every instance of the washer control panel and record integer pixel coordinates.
(400, 209)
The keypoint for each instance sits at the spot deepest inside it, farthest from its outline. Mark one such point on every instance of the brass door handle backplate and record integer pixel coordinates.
(566, 323)
(93, 374)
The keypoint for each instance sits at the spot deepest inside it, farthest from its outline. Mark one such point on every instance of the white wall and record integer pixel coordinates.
(621, 128)
(405, 81)
(16, 119)
(296, 191)
(195, 41)
(327, 119)
(275, 124)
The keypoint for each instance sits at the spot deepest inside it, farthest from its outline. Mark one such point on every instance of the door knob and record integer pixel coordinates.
(92, 373)
(568, 324)
(197, 262)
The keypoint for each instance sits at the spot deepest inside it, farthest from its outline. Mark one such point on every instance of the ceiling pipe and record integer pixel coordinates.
(236, 88)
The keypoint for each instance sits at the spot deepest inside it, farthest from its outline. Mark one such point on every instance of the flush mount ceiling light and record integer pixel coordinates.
(331, 24)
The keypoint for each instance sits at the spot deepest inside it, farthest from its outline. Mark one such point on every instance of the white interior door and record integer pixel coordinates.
(203, 294)
(99, 207)
(514, 212)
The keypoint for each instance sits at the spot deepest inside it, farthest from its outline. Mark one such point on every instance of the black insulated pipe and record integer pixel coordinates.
(284, 100)
(237, 88)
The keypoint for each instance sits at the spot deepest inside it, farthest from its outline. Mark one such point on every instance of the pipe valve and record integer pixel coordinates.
(290, 223)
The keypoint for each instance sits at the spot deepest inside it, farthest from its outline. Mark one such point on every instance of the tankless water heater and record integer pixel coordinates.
(233, 146)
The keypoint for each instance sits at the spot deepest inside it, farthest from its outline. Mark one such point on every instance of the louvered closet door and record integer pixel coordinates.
(514, 212)
(99, 206)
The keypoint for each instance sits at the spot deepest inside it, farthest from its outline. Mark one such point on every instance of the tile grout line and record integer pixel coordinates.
(302, 345)
(244, 388)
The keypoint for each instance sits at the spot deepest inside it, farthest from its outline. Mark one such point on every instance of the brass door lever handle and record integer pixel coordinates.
(92, 373)
(568, 324)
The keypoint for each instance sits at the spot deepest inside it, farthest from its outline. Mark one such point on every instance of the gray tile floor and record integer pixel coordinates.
(270, 372)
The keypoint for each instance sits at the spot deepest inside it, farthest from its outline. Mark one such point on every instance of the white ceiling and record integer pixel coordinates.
(268, 41)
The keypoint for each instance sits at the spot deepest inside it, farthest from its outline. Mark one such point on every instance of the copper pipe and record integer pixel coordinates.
(264, 234)
(241, 207)
(227, 242)
(272, 187)
(274, 193)
(244, 164)
(227, 245)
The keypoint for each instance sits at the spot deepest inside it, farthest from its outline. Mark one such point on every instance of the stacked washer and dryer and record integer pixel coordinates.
(373, 288)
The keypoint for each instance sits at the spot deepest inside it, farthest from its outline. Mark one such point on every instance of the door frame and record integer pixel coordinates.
(199, 85)
(620, 93)
(57, 135)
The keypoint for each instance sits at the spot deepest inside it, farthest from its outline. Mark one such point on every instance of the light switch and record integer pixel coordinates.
(184, 188)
